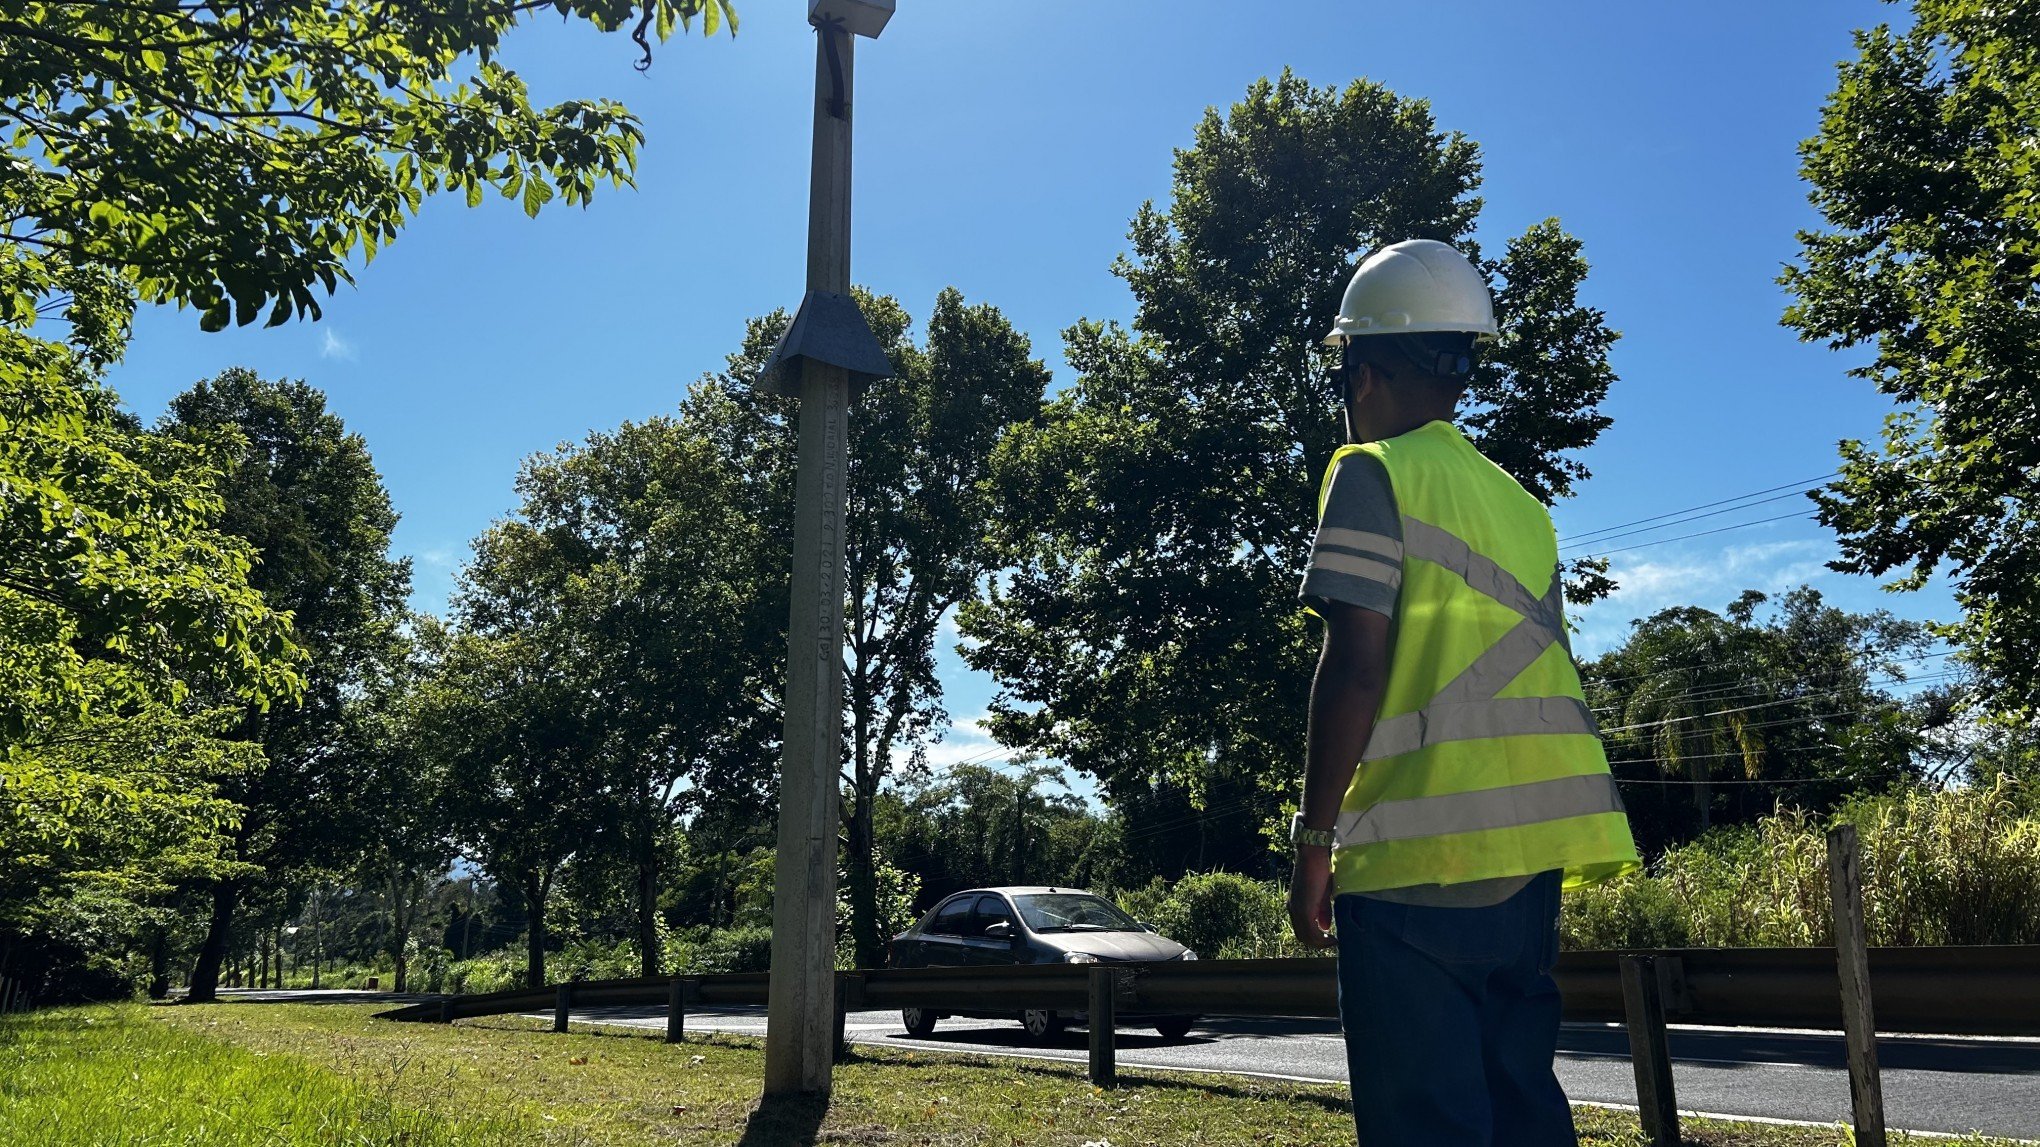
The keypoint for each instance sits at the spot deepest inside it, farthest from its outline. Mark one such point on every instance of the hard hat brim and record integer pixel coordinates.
(1343, 330)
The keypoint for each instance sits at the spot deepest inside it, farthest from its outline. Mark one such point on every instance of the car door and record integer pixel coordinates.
(983, 949)
(942, 941)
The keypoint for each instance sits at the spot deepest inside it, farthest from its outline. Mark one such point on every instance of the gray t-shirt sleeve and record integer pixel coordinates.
(1356, 557)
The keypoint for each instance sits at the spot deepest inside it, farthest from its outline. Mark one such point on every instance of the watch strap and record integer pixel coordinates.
(1310, 837)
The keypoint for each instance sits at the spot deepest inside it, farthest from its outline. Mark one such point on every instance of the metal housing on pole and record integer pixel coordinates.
(800, 1035)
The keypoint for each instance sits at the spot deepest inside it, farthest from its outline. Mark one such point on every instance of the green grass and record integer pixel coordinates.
(271, 1074)
(113, 1077)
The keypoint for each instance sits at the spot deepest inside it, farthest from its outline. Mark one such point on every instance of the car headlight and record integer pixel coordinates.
(1079, 958)
(1188, 954)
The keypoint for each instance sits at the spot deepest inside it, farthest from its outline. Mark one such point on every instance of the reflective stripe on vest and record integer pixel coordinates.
(1467, 708)
(1508, 807)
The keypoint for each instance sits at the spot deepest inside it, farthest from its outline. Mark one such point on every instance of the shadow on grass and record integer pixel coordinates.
(67, 1021)
(1129, 1077)
(785, 1121)
(286, 996)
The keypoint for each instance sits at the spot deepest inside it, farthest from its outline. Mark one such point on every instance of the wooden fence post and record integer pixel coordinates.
(446, 1009)
(1852, 961)
(1643, 1007)
(563, 1004)
(676, 1010)
(1103, 1025)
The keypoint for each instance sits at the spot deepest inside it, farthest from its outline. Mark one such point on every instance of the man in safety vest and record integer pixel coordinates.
(1455, 781)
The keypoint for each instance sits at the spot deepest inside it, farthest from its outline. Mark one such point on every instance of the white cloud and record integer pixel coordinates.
(966, 741)
(331, 345)
(1709, 580)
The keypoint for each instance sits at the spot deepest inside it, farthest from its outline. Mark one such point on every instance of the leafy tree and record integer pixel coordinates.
(122, 604)
(978, 824)
(633, 560)
(118, 591)
(1959, 743)
(1736, 713)
(232, 155)
(400, 783)
(921, 445)
(1156, 517)
(100, 825)
(519, 744)
(1925, 174)
(305, 494)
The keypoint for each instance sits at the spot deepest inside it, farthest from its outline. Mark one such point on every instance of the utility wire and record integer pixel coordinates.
(1744, 781)
(1741, 708)
(1795, 487)
(1671, 657)
(1772, 698)
(1697, 534)
(1682, 521)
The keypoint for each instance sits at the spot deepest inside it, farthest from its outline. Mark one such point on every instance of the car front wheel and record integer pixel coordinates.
(1175, 1027)
(1042, 1025)
(919, 1021)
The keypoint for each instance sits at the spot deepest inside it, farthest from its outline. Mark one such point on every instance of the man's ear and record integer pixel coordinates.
(1365, 381)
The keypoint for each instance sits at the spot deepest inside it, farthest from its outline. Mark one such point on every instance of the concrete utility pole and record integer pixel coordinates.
(826, 349)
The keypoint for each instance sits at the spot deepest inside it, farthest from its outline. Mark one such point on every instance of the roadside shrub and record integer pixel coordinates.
(1220, 915)
(429, 970)
(356, 976)
(594, 960)
(895, 890)
(1633, 912)
(706, 951)
(497, 971)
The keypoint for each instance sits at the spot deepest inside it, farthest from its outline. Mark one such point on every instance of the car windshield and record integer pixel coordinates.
(1072, 912)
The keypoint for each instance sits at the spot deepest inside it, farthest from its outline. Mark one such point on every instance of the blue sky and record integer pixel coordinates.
(1003, 148)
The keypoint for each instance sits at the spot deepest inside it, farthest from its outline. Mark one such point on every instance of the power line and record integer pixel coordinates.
(1767, 689)
(1682, 521)
(1698, 534)
(1743, 781)
(1759, 705)
(1670, 657)
(1802, 486)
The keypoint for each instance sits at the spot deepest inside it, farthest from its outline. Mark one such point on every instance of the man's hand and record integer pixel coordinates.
(1310, 897)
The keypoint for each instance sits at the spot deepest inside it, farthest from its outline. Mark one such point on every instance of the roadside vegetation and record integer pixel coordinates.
(285, 1075)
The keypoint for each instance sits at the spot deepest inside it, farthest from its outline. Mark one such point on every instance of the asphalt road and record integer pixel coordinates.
(1947, 1084)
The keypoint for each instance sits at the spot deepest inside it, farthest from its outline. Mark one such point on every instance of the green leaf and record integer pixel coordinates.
(537, 192)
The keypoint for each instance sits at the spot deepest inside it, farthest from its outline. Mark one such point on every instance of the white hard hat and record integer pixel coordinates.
(1413, 287)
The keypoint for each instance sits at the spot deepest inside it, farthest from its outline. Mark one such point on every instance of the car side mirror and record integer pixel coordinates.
(1000, 930)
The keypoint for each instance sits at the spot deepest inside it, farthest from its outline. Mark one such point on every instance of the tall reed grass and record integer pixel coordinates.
(1951, 866)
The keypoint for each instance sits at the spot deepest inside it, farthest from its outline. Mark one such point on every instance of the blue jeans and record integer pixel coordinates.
(1451, 1021)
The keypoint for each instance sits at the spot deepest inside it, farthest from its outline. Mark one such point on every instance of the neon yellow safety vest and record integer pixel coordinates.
(1484, 761)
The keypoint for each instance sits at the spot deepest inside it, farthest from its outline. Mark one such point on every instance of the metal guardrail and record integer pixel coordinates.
(1966, 991)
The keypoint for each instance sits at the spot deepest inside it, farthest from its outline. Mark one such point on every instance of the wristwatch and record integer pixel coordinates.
(1312, 837)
